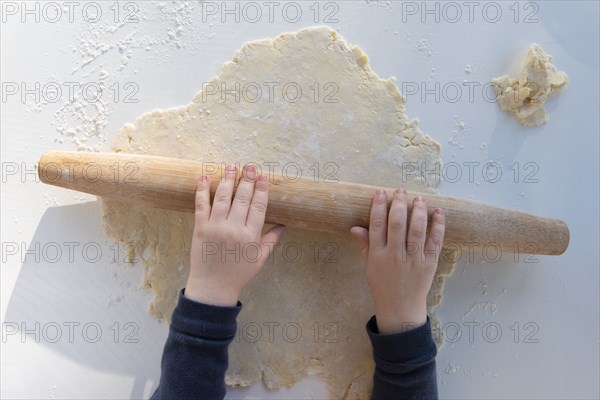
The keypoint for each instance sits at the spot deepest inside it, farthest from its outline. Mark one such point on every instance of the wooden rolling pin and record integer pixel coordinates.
(331, 207)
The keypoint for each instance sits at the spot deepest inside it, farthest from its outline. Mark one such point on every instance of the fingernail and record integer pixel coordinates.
(419, 199)
(439, 211)
(230, 167)
(263, 178)
(380, 192)
(250, 171)
(204, 178)
(401, 192)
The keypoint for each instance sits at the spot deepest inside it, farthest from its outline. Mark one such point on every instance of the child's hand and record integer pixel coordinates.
(227, 248)
(401, 260)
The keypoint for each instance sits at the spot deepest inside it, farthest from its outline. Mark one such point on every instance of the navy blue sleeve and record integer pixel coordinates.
(195, 356)
(404, 363)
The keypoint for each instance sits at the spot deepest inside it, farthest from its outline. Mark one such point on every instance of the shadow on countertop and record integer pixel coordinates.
(76, 295)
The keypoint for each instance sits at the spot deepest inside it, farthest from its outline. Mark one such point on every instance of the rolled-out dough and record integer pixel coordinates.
(306, 311)
(525, 95)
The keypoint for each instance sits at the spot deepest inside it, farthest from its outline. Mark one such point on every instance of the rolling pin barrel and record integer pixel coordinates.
(301, 203)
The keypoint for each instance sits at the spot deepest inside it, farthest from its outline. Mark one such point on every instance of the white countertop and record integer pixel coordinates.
(545, 312)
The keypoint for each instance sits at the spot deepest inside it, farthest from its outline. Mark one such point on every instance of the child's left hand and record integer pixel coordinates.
(227, 247)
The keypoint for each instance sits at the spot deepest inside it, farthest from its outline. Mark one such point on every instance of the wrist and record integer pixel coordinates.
(212, 294)
(398, 321)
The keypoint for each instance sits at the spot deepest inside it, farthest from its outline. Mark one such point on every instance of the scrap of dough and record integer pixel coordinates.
(525, 96)
(306, 310)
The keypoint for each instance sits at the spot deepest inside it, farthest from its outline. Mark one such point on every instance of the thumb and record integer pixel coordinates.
(361, 235)
(269, 240)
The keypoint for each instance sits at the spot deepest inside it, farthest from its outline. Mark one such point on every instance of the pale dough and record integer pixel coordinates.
(525, 95)
(306, 311)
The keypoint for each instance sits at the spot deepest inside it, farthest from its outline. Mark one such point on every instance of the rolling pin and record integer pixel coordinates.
(300, 202)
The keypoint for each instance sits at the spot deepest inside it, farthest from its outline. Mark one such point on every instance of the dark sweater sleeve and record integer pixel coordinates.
(195, 356)
(404, 363)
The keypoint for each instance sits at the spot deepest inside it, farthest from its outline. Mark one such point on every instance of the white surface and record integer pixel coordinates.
(557, 296)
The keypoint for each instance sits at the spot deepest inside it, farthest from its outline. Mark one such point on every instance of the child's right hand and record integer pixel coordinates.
(227, 247)
(401, 259)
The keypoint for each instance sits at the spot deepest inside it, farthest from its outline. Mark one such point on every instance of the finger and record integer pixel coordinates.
(243, 195)
(361, 235)
(417, 228)
(269, 240)
(378, 221)
(222, 200)
(397, 220)
(202, 209)
(258, 206)
(433, 245)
